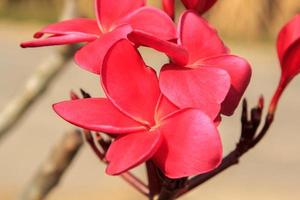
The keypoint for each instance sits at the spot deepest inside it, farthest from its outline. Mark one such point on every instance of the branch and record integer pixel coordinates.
(154, 180)
(136, 183)
(52, 170)
(38, 83)
(171, 187)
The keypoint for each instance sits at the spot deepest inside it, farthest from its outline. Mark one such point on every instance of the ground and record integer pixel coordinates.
(270, 171)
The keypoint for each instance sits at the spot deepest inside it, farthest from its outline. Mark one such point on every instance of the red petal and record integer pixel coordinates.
(59, 40)
(152, 21)
(240, 73)
(79, 25)
(176, 53)
(204, 88)
(130, 85)
(291, 61)
(164, 107)
(66, 32)
(169, 7)
(191, 144)
(198, 37)
(91, 56)
(200, 6)
(131, 150)
(109, 12)
(96, 114)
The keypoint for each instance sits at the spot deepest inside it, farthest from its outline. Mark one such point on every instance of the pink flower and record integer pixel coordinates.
(199, 58)
(115, 19)
(199, 6)
(288, 49)
(181, 142)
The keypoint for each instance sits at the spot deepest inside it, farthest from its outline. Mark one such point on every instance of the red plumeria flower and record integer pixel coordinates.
(115, 19)
(288, 49)
(182, 142)
(199, 58)
(200, 6)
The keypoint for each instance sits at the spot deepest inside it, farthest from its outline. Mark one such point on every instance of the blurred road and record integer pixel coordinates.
(269, 172)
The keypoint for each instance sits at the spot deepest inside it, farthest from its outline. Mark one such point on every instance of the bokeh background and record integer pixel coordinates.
(248, 27)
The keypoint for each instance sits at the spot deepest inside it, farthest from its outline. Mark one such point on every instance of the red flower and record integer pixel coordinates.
(199, 57)
(115, 19)
(182, 142)
(288, 49)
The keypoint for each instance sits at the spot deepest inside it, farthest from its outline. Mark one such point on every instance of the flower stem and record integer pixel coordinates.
(127, 176)
(136, 183)
(280, 88)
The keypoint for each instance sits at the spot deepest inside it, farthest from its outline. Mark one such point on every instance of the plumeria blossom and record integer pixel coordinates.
(288, 49)
(199, 58)
(115, 19)
(199, 6)
(181, 142)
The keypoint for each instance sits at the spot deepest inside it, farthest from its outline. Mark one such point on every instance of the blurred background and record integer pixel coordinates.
(248, 27)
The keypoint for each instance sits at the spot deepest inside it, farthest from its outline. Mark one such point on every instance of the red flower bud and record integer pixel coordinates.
(288, 49)
(201, 6)
(169, 7)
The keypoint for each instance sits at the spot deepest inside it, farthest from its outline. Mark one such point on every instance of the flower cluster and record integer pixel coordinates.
(170, 118)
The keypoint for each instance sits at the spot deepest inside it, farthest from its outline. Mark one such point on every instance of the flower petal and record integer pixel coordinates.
(66, 32)
(77, 25)
(152, 21)
(59, 40)
(96, 114)
(291, 61)
(108, 12)
(131, 150)
(91, 56)
(164, 107)
(175, 52)
(240, 73)
(199, 38)
(201, 6)
(130, 85)
(204, 88)
(191, 144)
